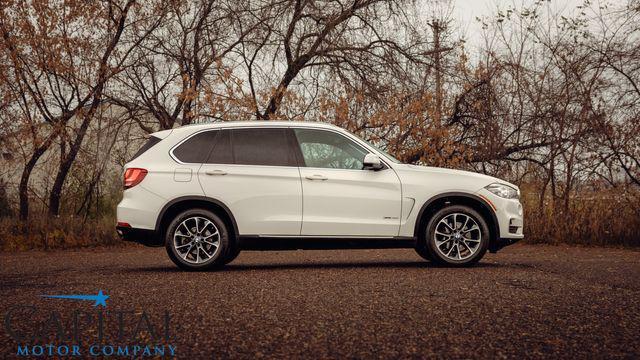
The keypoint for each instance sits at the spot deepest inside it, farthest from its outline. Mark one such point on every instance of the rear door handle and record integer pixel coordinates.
(317, 177)
(215, 172)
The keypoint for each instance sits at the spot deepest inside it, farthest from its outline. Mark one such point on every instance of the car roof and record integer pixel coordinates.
(194, 128)
(260, 123)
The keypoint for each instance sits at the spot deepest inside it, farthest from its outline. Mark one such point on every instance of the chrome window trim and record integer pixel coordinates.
(352, 138)
(339, 131)
(175, 158)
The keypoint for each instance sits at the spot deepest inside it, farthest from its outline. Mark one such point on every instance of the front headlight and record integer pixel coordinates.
(502, 190)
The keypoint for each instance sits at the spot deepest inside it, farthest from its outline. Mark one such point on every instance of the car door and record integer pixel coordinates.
(339, 197)
(254, 172)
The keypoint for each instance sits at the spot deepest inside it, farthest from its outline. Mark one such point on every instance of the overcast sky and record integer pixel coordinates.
(465, 12)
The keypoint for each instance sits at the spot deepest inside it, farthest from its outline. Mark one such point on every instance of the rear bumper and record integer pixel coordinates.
(141, 236)
(139, 208)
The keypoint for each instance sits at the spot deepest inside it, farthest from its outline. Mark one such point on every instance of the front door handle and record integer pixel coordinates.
(215, 172)
(317, 177)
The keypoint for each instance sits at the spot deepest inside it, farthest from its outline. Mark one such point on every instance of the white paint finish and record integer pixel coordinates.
(166, 178)
(161, 180)
(350, 202)
(424, 183)
(182, 175)
(162, 134)
(265, 200)
(268, 200)
(140, 208)
(506, 209)
(408, 204)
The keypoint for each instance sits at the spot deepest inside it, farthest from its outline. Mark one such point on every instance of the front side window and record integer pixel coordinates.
(326, 149)
(262, 146)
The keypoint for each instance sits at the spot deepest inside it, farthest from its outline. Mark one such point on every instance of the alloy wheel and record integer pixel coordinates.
(457, 236)
(196, 240)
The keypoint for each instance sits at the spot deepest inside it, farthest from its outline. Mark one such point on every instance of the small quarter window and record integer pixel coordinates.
(197, 148)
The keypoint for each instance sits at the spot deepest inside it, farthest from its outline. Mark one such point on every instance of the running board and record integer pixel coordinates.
(320, 243)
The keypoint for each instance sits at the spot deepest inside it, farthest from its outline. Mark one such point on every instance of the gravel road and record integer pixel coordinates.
(531, 301)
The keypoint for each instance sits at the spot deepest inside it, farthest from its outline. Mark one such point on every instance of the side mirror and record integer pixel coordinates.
(372, 162)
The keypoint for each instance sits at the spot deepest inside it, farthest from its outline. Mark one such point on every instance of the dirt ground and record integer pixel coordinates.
(531, 301)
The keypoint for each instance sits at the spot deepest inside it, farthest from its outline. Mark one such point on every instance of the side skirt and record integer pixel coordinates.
(254, 242)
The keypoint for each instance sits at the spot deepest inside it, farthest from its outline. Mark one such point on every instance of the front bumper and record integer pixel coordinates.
(499, 243)
(140, 236)
(509, 215)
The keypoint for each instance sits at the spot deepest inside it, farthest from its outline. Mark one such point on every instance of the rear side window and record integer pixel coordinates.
(147, 145)
(197, 148)
(262, 146)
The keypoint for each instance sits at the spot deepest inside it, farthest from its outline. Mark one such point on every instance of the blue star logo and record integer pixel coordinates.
(100, 299)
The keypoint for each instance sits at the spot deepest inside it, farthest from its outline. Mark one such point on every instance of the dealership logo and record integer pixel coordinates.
(100, 299)
(89, 333)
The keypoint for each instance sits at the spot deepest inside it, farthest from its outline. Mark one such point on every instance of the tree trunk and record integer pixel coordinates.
(65, 166)
(289, 75)
(23, 188)
(438, 27)
(103, 76)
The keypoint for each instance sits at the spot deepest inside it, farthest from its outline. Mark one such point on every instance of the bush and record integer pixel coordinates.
(57, 233)
(5, 206)
(600, 218)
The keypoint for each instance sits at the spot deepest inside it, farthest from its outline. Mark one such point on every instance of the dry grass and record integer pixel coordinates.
(57, 233)
(601, 218)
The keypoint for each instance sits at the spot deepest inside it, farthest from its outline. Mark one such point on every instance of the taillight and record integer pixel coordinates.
(133, 177)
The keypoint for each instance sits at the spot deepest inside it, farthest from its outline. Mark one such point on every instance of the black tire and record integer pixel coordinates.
(219, 256)
(429, 243)
(232, 255)
(421, 249)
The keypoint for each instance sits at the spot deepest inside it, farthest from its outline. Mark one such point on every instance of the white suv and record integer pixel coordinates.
(206, 192)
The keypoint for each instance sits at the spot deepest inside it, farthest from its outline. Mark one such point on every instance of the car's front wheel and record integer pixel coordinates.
(197, 239)
(456, 236)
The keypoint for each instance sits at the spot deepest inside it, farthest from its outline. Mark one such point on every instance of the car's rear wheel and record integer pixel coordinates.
(197, 239)
(456, 235)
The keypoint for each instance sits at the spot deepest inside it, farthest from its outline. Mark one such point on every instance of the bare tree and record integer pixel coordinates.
(61, 70)
(164, 84)
(353, 40)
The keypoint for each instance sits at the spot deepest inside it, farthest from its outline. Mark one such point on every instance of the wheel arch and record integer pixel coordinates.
(177, 205)
(431, 206)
